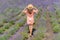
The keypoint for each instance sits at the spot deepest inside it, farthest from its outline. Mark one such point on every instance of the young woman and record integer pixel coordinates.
(29, 11)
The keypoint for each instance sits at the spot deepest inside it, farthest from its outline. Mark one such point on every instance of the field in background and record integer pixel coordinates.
(13, 22)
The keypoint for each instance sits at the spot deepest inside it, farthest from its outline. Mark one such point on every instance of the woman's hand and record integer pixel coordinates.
(35, 10)
(24, 11)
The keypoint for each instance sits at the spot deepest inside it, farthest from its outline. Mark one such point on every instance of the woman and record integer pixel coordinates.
(29, 11)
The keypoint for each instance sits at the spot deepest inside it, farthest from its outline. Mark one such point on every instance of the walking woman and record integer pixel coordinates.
(30, 10)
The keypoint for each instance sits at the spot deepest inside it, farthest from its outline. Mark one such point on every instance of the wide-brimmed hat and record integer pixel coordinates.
(30, 6)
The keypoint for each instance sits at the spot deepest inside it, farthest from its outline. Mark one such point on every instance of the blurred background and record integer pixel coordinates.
(13, 22)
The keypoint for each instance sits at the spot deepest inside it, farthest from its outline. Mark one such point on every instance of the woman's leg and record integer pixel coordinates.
(30, 29)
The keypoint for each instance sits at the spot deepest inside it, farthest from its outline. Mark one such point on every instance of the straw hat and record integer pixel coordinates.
(30, 6)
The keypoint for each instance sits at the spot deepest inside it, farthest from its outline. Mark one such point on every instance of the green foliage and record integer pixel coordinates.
(7, 26)
(4, 21)
(9, 33)
(39, 36)
(44, 16)
(25, 35)
(56, 28)
(12, 31)
(54, 24)
(19, 24)
(15, 10)
(12, 22)
(2, 30)
(59, 21)
(23, 14)
(1, 24)
(5, 37)
(15, 28)
(7, 9)
(58, 13)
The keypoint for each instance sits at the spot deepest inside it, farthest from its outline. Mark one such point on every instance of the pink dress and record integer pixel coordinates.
(30, 17)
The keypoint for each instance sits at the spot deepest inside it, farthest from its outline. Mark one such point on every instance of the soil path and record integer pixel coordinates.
(49, 32)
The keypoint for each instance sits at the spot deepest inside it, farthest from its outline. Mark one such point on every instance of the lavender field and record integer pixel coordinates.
(13, 23)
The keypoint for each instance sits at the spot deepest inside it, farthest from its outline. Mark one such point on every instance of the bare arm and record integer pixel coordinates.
(35, 10)
(25, 10)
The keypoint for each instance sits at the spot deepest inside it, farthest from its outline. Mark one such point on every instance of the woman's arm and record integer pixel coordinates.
(35, 10)
(24, 11)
